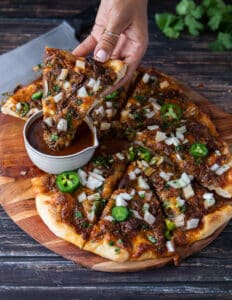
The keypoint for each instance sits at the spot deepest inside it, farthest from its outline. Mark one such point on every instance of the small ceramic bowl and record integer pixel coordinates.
(58, 164)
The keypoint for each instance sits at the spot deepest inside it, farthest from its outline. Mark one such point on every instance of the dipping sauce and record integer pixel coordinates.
(83, 139)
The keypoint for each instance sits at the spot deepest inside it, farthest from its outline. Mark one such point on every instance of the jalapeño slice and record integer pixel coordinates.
(67, 182)
(144, 154)
(120, 213)
(24, 109)
(37, 95)
(198, 150)
(171, 112)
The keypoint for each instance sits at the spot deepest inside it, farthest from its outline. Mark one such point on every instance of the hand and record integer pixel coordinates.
(127, 20)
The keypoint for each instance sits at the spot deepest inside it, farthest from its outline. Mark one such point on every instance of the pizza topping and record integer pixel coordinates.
(209, 200)
(120, 213)
(214, 167)
(160, 136)
(45, 88)
(120, 156)
(100, 111)
(109, 104)
(142, 194)
(109, 218)
(67, 182)
(136, 214)
(105, 126)
(94, 181)
(142, 183)
(23, 108)
(181, 182)
(152, 127)
(82, 197)
(91, 213)
(143, 154)
(164, 84)
(48, 121)
(95, 196)
(149, 218)
(80, 64)
(150, 114)
(222, 169)
(170, 246)
(83, 176)
(63, 74)
(165, 176)
(181, 129)
(82, 93)
(188, 191)
(67, 86)
(154, 103)
(37, 95)
(172, 141)
(112, 95)
(132, 175)
(152, 239)
(146, 78)
(179, 220)
(62, 125)
(192, 223)
(58, 97)
(198, 150)
(171, 112)
(218, 153)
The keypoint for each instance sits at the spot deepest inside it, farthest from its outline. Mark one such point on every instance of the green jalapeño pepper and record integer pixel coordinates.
(198, 150)
(111, 96)
(24, 109)
(144, 154)
(120, 213)
(131, 154)
(67, 182)
(171, 112)
(37, 95)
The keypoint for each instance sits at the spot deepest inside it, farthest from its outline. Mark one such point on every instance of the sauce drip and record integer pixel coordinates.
(82, 140)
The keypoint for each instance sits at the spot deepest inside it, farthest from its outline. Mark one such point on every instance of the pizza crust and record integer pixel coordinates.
(50, 215)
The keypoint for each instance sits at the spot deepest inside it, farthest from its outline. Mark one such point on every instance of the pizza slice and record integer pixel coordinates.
(25, 101)
(192, 212)
(195, 151)
(72, 86)
(132, 225)
(71, 202)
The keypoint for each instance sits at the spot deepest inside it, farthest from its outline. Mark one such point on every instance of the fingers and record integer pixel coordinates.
(85, 47)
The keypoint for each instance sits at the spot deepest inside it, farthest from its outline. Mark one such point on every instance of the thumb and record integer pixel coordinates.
(106, 45)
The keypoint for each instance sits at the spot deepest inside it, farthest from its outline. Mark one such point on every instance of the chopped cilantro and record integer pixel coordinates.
(152, 239)
(86, 224)
(141, 99)
(78, 214)
(54, 137)
(79, 102)
(111, 243)
(117, 250)
(120, 241)
(56, 88)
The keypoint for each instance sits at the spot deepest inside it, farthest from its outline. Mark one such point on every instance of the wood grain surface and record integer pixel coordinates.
(30, 271)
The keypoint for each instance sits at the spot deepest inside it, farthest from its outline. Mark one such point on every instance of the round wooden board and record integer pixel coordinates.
(16, 171)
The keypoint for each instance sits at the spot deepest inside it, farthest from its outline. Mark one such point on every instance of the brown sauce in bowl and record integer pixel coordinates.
(83, 139)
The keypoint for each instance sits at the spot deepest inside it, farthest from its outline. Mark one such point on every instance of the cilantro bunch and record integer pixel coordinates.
(212, 15)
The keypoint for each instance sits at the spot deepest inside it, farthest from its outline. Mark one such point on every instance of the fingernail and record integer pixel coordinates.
(101, 55)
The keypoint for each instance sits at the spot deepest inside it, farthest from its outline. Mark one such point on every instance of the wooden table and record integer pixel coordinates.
(28, 270)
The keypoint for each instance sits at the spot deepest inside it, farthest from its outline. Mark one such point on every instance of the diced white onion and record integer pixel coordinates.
(148, 196)
(18, 106)
(181, 129)
(146, 207)
(144, 163)
(164, 84)
(82, 176)
(149, 218)
(45, 88)
(48, 121)
(132, 192)
(91, 82)
(94, 196)
(160, 136)
(109, 104)
(214, 167)
(218, 153)
(170, 246)
(180, 136)
(188, 191)
(152, 127)
(63, 74)
(209, 200)
(120, 201)
(109, 218)
(149, 115)
(97, 176)
(146, 78)
(58, 97)
(93, 183)
(91, 213)
(142, 183)
(97, 85)
(186, 178)
(156, 106)
(80, 64)
(142, 193)
(178, 156)
(180, 202)
(172, 141)
(120, 156)
(136, 214)
(179, 220)
(192, 223)
(109, 113)
(67, 85)
(165, 176)
(100, 111)
(105, 126)
(82, 197)
(222, 169)
(132, 175)
(98, 171)
(82, 92)
(62, 125)
(137, 171)
(126, 196)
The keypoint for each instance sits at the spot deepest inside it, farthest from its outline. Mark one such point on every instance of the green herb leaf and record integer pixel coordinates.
(152, 239)
(78, 214)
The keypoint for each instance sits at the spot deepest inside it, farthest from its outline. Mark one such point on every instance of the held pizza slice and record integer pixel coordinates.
(192, 212)
(132, 224)
(71, 88)
(70, 214)
(195, 151)
(25, 101)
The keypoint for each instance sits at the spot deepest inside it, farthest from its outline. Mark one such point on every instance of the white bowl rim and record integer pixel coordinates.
(55, 157)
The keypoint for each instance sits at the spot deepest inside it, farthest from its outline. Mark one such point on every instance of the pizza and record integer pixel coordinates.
(72, 86)
(25, 101)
